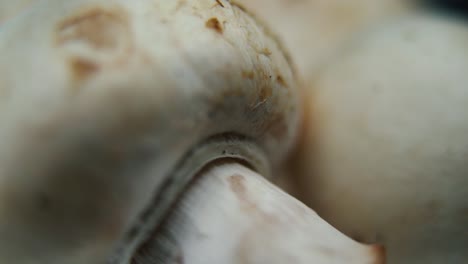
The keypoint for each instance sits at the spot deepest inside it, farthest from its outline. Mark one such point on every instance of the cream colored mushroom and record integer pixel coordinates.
(109, 108)
(233, 215)
(385, 154)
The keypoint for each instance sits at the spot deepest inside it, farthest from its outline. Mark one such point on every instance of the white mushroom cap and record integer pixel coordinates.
(108, 103)
(385, 154)
(233, 215)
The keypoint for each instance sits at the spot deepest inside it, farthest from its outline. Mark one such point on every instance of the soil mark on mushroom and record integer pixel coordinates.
(281, 81)
(248, 75)
(214, 24)
(83, 68)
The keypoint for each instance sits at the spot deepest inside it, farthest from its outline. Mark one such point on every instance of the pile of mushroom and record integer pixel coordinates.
(112, 110)
(384, 151)
(141, 132)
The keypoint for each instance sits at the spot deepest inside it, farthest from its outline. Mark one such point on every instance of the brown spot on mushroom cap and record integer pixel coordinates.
(281, 81)
(266, 51)
(180, 4)
(82, 68)
(265, 90)
(265, 93)
(214, 24)
(248, 75)
(105, 35)
(99, 28)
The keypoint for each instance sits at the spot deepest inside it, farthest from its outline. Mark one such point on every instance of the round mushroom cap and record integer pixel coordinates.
(384, 157)
(103, 99)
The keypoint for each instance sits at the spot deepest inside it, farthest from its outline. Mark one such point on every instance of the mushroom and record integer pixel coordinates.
(109, 109)
(385, 146)
(122, 109)
(231, 214)
(315, 30)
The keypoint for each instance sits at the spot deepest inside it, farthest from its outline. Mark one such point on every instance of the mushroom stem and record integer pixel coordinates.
(234, 215)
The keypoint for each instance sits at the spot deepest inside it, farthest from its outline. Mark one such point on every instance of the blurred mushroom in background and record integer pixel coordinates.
(382, 154)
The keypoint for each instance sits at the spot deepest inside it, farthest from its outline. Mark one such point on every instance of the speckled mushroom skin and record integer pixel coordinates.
(385, 156)
(112, 96)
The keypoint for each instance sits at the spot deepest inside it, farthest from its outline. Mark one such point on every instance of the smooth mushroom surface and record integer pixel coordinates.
(385, 147)
(11, 9)
(109, 109)
(233, 215)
